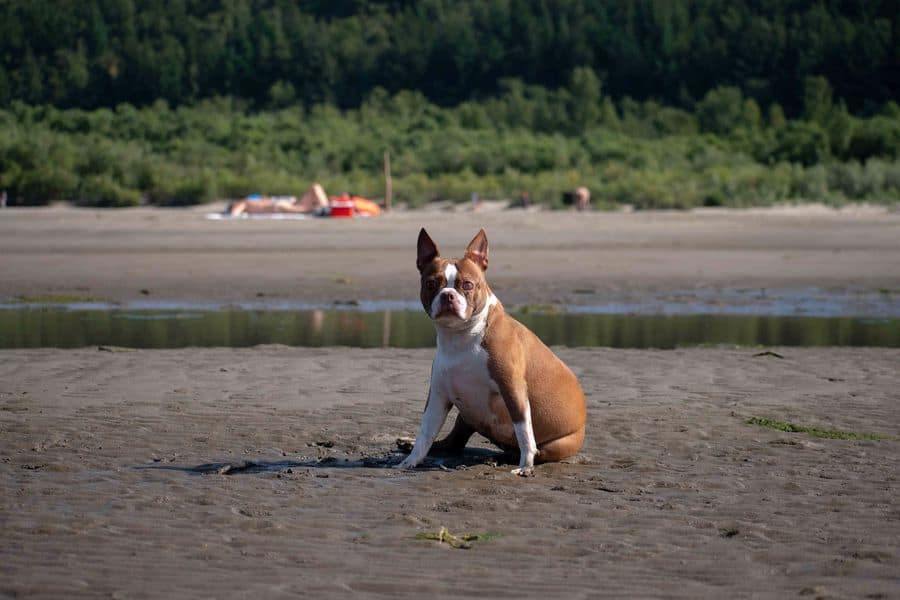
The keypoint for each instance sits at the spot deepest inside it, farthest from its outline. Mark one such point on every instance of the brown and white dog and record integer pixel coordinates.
(505, 383)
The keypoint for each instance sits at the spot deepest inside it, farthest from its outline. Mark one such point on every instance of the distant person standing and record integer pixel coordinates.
(3, 199)
(582, 198)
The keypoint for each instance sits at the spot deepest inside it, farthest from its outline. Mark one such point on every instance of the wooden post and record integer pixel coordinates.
(388, 184)
(386, 329)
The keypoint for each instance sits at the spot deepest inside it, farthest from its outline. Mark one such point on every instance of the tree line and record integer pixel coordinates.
(272, 53)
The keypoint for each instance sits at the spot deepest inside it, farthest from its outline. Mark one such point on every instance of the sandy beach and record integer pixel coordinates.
(536, 257)
(265, 471)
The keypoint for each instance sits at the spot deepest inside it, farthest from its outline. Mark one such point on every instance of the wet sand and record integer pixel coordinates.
(111, 479)
(265, 471)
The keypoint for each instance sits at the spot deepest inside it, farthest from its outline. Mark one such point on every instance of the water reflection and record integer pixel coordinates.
(44, 327)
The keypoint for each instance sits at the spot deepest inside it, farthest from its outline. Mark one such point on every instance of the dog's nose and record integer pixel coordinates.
(445, 298)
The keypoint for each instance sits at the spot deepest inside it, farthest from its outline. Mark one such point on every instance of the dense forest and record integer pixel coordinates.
(95, 53)
(654, 103)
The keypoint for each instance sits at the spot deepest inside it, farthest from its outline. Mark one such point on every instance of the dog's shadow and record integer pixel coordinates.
(471, 457)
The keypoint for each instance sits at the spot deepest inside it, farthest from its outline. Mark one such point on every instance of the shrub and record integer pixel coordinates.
(672, 121)
(103, 191)
(192, 189)
(875, 180)
(96, 157)
(856, 181)
(43, 184)
(799, 142)
(878, 136)
(652, 190)
(891, 177)
(811, 183)
(604, 145)
(652, 158)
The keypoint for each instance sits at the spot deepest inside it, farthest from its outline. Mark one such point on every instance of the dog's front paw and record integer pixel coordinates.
(523, 471)
(406, 464)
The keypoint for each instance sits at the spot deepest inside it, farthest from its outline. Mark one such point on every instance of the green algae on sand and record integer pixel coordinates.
(832, 434)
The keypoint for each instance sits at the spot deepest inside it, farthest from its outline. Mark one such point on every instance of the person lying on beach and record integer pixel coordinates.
(313, 201)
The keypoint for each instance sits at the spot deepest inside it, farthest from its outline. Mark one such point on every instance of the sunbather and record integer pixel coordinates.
(313, 201)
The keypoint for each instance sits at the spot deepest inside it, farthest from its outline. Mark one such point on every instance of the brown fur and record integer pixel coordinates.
(527, 371)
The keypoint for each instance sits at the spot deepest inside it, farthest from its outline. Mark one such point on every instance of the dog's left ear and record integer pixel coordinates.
(477, 251)
(426, 250)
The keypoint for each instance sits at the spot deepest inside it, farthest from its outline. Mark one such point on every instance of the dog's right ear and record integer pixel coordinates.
(427, 250)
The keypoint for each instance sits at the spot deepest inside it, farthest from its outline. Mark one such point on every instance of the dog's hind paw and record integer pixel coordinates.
(405, 444)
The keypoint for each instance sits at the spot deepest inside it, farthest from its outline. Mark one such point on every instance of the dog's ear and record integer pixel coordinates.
(477, 251)
(427, 250)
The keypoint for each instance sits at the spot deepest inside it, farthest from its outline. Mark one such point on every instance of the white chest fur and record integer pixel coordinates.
(460, 371)
(460, 374)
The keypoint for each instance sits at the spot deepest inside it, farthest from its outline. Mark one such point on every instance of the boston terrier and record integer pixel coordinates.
(504, 382)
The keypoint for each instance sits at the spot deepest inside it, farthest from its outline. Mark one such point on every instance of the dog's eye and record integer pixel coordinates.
(431, 285)
(468, 286)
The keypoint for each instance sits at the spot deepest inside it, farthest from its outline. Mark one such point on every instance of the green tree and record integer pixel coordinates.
(776, 117)
(721, 110)
(585, 98)
(32, 86)
(608, 115)
(751, 116)
(5, 93)
(839, 126)
(452, 50)
(817, 99)
(282, 94)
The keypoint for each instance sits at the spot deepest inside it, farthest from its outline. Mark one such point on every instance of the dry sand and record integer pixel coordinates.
(110, 461)
(536, 257)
